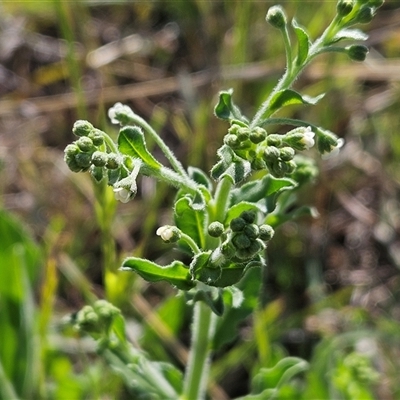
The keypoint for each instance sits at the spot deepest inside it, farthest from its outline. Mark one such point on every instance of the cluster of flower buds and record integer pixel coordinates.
(273, 152)
(242, 241)
(86, 153)
(97, 318)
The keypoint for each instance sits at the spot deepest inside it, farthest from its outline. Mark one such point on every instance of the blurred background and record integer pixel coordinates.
(333, 283)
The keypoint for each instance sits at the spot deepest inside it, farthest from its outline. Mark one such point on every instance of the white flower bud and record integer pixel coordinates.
(122, 194)
(308, 138)
(334, 151)
(168, 233)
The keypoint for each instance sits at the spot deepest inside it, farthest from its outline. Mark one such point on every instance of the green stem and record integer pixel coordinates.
(203, 329)
(222, 197)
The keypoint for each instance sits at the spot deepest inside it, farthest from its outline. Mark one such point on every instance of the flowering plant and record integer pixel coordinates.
(224, 219)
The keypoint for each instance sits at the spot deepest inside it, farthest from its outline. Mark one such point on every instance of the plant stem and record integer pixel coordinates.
(203, 329)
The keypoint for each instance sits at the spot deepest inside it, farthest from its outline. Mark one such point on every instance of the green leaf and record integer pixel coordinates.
(264, 192)
(230, 165)
(202, 270)
(226, 109)
(281, 373)
(200, 177)
(176, 273)
(190, 219)
(131, 142)
(349, 34)
(303, 42)
(238, 208)
(288, 97)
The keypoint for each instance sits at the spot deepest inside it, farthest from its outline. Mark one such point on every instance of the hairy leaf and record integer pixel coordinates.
(131, 142)
(176, 273)
(230, 165)
(303, 42)
(288, 97)
(226, 109)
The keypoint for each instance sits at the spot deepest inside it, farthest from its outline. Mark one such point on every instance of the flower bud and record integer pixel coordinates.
(97, 138)
(266, 232)
(99, 159)
(232, 141)
(82, 128)
(237, 224)
(328, 143)
(168, 233)
(251, 231)
(249, 216)
(113, 161)
(365, 15)
(120, 114)
(83, 160)
(72, 164)
(274, 140)
(85, 144)
(122, 194)
(271, 153)
(243, 133)
(71, 150)
(301, 138)
(258, 135)
(87, 320)
(241, 241)
(234, 129)
(216, 229)
(344, 7)
(106, 312)
(357, 52)
(276, 17)
(227, 249)
(286, 153)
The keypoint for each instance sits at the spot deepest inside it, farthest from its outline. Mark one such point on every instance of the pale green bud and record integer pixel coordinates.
(241, 241)
(286, 153)
(82, 128)
(216, 229)
(251, 231)
(266, 232)
(357, 52)
(113, 161)
(232, 141)
(274, 140)
(97, 138)
(99, 159)
(243, 133)
(344, 7)
(365, 15)
(85, 144)
(258, 135)
(83, 160)
(249, 216)
(271, 153)
(276, 17)
(237, 224)
(71, 150)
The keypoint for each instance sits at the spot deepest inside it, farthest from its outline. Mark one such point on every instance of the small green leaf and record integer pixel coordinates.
(263, 193)
(230, 165)
(303, 42)
(226, 109)
(131, 142)
(349, 34)
(190, 218)
(281, 373)
(238, 208)
(200, 177)
(288, 97)
(176, 273)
